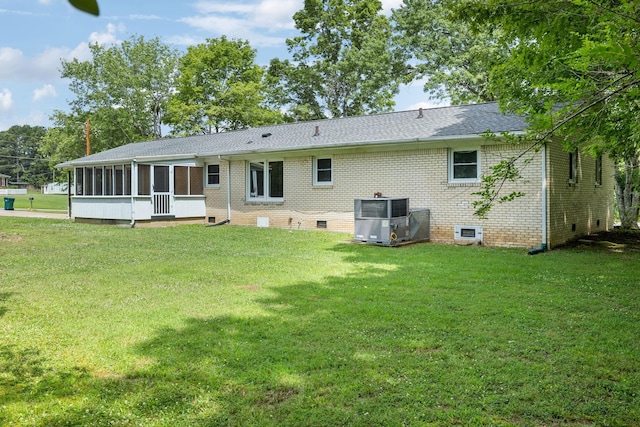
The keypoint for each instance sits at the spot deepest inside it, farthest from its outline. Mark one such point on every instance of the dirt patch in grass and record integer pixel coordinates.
(10, 238)
(612, 241)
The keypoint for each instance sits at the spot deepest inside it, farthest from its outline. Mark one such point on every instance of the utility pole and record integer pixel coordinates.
(87, 133)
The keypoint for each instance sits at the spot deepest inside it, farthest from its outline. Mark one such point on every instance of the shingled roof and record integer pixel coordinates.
(424, 125)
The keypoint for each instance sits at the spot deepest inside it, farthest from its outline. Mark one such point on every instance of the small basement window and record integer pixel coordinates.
(321, 224)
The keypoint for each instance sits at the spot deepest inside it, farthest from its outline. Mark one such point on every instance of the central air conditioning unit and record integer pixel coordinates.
(381, 220)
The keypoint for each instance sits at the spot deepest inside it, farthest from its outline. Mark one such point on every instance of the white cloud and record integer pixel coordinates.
(44, 1)
(217, 7)
(184, 40)
(246, 21)
(44, 91)
(387, 5)
(108, 37)
(6, 100)
(10, 59)
(15, 66)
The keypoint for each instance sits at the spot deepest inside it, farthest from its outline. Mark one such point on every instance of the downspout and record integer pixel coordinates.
(543, 195)
(134, 187)
(229, 190)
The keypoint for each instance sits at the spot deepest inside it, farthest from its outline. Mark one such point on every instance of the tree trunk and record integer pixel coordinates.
(628, 193)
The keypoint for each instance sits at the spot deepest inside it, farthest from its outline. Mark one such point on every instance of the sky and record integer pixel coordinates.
(35, 35)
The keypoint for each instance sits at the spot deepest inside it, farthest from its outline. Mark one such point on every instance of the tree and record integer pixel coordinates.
(123, 91)
(454, 59)
(89, 6)
(219, 88)
(345, 57)
(573, 71)
(19, 155)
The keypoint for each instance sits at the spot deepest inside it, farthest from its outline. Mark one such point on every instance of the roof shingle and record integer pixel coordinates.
(435, 124)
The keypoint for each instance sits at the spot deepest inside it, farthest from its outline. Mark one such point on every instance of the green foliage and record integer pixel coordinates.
(20, 157)
(572, 70)
(195, 326)
(123, 91)
(455, 60)
(89, 6)
(219, 88)
(345, 63)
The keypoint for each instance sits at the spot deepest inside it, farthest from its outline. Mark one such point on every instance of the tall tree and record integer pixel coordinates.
(123, 90)
(20, 157)
(346, 58)
(454, 59)
(219, 88)
(574, 71)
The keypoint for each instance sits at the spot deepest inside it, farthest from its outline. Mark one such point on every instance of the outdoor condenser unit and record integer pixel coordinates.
(382, 220)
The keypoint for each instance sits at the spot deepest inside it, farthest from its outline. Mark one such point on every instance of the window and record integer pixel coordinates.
(598, 171)
(573, 167)
(144, 180)
(127, 180)
(79, 181)
(108, 181)
(181, 180)
(103, 181)
(88, 181)
(98, 181)
(213, 175)
(265, 180)
(196, 186)
(322, 171)
(187, 180)
(464, 165)
(119, 179)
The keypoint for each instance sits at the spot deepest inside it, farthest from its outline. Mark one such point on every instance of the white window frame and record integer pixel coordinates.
(316, 170)
(451, 165)
(206, 176)
(265, 181)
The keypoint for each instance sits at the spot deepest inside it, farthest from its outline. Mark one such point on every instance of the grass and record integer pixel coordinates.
(40, 202)
(197, 326)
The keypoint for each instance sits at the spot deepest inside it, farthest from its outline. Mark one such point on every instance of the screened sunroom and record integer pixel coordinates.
(139, 191)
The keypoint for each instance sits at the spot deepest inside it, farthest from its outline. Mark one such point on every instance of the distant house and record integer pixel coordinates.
(307, 175)
(4, 180)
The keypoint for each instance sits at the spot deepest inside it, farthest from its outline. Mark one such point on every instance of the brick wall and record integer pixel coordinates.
(582, 207)
(422, 176)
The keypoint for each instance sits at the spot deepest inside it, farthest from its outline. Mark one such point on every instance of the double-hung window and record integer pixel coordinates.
(464, 165)
(213, 175)
(573, 167)
(265, 180)
(598, 171)
(322, 171)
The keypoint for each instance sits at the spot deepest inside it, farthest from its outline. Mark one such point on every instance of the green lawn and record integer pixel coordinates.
(40, 202)
(210, 326)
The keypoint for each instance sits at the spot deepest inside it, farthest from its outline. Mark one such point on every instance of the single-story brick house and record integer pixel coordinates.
(307, 175)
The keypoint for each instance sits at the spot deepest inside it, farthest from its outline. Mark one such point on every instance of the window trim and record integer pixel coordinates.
(316, 170)
(265, 181)
(451, 165)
